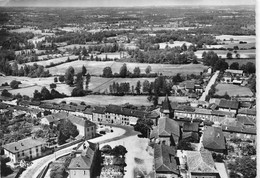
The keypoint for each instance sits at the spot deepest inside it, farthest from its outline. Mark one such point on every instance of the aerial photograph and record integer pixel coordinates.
(128, 89)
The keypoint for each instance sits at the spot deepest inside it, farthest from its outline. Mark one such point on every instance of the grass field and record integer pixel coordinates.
(233, 90)
(54, 61)
(118, 100)
(246, 38)
(96, 68)
(251, 53)
(240, 61)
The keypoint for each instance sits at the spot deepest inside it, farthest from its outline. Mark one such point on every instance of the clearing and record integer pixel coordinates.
(96, 67)
(233, 90)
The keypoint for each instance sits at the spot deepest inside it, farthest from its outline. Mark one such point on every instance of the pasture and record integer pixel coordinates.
(240, 61)
(103, 100)
(233, 90)
(236, 39)
(96, 67)
(251, 53)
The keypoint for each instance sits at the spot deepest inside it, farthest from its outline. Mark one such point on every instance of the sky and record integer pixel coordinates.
(126, 3)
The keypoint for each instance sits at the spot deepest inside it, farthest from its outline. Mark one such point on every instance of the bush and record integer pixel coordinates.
(5, 84)
(14, 84)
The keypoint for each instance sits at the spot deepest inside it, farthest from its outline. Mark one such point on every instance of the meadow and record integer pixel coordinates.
(251, 53)
(176, 43)
(96, 67)
(233, 90)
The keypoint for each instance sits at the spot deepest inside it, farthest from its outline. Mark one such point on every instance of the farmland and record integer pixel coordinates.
(176, 43)
(236, 39)
(96, 67)
(117, 100)
(223, 53)
(54, 61)
(240, 61)
(233, 90)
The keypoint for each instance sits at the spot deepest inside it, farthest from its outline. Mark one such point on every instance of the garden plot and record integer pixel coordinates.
(233, 90)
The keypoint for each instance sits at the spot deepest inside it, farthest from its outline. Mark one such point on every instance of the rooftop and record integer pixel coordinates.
(228, 104)
(24, 144)
(213, 138)
(167, 126)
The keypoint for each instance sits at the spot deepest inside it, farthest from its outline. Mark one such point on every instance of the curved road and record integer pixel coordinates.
(211, 82)
(39, 164)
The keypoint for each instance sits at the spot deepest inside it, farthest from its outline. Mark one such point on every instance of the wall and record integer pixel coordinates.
(79, 173)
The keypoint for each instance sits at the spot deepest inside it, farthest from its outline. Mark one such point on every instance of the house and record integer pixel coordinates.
(191, 131)
(28, 147)
(213, 139)
(99, 114)
(227, 78)
(167, 132)
(190, 86)
(203, 114)
(48, 120)
(165, 161)
(85, 127)
(228, 105)
(85, 161)
(247, 112)
(201, 164)
(246, 121)
(238, 130)
(183, 111)
(235, 73)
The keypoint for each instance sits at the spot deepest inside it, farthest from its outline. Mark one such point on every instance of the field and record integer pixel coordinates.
(240, 61)
(236, 39)
(117, 100)
(251, 53)
(233, 90)
(98, 84)
(117, 55)
(176, 43)
(231, 45)
(96, 68)
(54, 61)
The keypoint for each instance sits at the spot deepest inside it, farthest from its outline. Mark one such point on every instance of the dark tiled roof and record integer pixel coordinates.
(124, 111)
(222, 113)
(88, 111)
(167, 127)
(200, 162)
(202, 111)
(166, 105)
(193, 135)
(35, 103)
(85, 160)
(164, 157)
(174, 105)
(247, 111)
(3, 105)
(239, 129)
(185, 108)
(190, 127)
(99, 110)
(213, 138)
(246, 120)
(228, 104)
(190, 85)
(24, 144)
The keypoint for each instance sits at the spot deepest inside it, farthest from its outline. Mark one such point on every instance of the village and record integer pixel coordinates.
(128, 93)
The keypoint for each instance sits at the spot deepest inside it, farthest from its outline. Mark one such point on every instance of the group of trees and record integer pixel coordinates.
(176, 55)
(66, 129)
(116, 151)
(210, 58)
(144, 126)
(248, 68)
(45, 94)
(244, 165)
(125, 73)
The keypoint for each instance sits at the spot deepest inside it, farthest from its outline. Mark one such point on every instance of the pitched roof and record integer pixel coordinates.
(228, 104)
(234, 71)
(80, 121)
(166, 105)
(200, 162)
(193, 135)
(191, 127)
(164, 157)
(24, 144)
(185, 108)
(222, 113)
(125, 111)
(190, 85)
(239, 129)
(213, 138)
(246, 120)
(202, 111)
(167, 126)
(247, 111)
(99, 110)
(85, 160)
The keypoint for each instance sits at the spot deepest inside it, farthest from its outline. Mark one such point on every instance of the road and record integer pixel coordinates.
(211, 82)
(40, 163)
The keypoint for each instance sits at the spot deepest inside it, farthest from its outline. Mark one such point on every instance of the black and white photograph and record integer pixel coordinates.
(128, 88)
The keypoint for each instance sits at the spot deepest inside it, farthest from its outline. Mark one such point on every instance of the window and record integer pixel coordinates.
(84, 173)
(87, 129)
(23, 153)
(18, 154)
(36, 149)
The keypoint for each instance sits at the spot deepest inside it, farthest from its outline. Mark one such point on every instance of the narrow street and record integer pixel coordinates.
(39, 164)
(211, 82)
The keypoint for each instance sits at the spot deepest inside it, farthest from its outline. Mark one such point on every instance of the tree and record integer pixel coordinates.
(87, 81)
(123, 71)
(79, 81)
(229, 55)
(78, 92)
(144, 126)
(148, 69)
(234, 65)
(69, 76)
(5, 170)
(53, 85)
(146, 86)
(107, 72)
(184, 145)
(61, 78)
(250, 68)
(66, 130)
(15, 69)
(138, 87)
(14, 84)
(55, 79)
(106, 149)
(46, 95)
(177, 79)
(221, 65)
(245, 166)
(37, 95)
(137, 71)
(119, 151)
(84, 70)
(248, 150)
